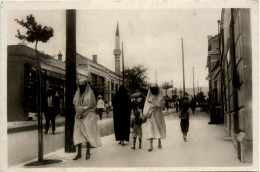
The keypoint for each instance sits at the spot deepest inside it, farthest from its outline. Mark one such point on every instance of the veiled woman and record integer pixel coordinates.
(154, 128)
(85, 127)
(122, 107)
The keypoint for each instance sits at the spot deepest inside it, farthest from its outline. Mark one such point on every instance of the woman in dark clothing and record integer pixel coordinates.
(184, 115)
(122, 111)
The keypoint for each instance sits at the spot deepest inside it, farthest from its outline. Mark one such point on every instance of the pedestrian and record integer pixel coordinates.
(122, 110)
(56, 103)
(137, 129)
(85, 127)
(184, 116)
(154, 127)
(50, 112)
(100, 106)
(193, 105)
(107, 108)
(177, 106)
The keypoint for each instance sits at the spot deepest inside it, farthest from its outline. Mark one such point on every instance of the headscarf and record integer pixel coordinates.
(150, 96)
(87, 100)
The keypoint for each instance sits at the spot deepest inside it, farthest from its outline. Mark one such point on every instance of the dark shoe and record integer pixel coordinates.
(123, 144)
(77, 157)
(150, 150)
(88, 156)
(159, 146)
(53, 132)
(133, 147)
(46, 132)
(140, 147)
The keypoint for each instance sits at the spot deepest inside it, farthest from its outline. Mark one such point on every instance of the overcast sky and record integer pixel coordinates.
(151, 38)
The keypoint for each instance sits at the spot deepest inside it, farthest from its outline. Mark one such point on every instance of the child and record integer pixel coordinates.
(137, 129)
(184, 115)
(107, 108)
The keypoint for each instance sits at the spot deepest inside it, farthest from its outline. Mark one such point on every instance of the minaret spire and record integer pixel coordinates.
(117, 51)
(117, 30)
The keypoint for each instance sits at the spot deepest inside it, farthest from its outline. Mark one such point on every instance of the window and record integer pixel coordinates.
(112, 86)
(116, 87)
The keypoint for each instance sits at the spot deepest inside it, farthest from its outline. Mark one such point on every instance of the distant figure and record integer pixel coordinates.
(100, 106)
(85, 127)
(56, 103)
(122, 107)
(134, 105)
(154, 127)
(137, 129)
(193, 105)
(184, 116)
(177, 106)
(50, 112)
(107, 108)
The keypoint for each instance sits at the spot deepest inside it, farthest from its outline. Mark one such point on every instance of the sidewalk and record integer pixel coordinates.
(21, 126)
(205, 148)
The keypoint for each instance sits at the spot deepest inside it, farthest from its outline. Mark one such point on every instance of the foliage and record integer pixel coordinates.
(35, 32)
(200, 97)
(166, 86)
(135, 78)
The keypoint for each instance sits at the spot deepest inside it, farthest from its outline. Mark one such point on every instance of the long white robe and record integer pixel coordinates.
(154, 127)
(85, 127)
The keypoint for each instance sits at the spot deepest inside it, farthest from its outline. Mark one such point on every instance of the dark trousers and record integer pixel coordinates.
(50, 116)
(100, 111)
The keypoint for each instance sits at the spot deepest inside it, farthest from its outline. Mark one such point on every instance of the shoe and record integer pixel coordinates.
(160, 147)
(53, 132)
(119, 143)
(140, 147)
(88, 156)
(77, 157)
(123, 144)
(133, 147)
(150, 150)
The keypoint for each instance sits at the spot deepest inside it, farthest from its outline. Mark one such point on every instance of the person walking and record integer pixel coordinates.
(137, 129)
(193, 105)
(177, 106)
(184, 116)
(49, 112)
(107, 108)
(121, 112)
(100, 106)
(154, 127)
(85, 127)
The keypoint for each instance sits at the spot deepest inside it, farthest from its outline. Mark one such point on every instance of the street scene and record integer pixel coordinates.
(154, 88)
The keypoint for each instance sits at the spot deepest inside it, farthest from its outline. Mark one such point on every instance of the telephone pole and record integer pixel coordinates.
(183, 68)
(193, 83)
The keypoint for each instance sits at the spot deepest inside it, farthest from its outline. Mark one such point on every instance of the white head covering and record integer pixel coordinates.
(150, 97)
(87, 99)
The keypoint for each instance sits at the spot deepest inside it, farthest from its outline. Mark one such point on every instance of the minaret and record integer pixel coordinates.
(117, 51)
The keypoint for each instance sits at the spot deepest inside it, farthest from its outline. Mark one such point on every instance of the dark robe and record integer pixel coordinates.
(122, 111)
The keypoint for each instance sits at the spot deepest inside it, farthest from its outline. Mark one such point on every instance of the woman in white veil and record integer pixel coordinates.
(85, 127)
(154, 128)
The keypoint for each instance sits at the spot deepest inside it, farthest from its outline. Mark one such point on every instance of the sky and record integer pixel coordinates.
(151, 37)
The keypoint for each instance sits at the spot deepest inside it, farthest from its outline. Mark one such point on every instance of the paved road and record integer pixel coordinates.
(205, 148)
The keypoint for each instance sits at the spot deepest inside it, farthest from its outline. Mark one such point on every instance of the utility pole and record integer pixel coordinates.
(198, 86)
(183, 68)
(156, 76)
(193, 83)
(123, 67)
(70, 83)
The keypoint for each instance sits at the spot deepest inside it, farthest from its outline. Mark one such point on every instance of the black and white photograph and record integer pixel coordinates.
(121, 86)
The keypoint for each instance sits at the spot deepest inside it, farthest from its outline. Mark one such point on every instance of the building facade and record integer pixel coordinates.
(21, 79)
(233, 73)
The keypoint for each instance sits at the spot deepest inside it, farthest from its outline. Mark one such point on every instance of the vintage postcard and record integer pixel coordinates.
(130, 86)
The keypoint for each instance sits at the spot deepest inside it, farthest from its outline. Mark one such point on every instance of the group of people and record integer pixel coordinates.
(151, 125)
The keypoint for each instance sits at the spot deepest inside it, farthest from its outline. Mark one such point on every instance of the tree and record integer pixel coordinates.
(36, 33)
(135, 78)
(200, 98)
(166, 86)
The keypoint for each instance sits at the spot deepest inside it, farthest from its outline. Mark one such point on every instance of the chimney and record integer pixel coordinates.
(95, 58)
(59, 56)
